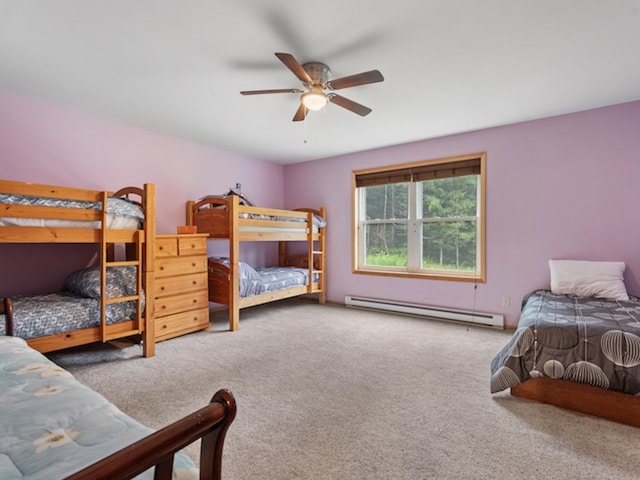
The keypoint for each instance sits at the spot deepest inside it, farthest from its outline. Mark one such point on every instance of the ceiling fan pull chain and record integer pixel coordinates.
(305, 129)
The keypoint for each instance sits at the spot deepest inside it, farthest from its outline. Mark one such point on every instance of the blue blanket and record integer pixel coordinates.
(51, 425)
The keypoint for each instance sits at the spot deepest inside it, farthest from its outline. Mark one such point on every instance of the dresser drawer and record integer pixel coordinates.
(166, 247)
(180, 284)
(192, 246)
(181, 323)
(180, 266)
(181, 303)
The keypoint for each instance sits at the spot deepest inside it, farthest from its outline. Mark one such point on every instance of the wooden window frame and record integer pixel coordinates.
(415, 172)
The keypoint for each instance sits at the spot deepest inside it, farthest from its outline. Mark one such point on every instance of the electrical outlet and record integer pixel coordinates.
(506, 301)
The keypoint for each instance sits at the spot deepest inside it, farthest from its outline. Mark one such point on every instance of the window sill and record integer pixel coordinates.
(434, 275)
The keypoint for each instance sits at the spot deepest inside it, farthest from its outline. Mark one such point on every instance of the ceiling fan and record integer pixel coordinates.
(315, 78)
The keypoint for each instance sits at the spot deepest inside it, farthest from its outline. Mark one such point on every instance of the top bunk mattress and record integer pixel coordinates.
(122, 214)
(318, 220)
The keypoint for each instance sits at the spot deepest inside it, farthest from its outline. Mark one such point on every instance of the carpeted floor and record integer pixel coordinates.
(327, 392)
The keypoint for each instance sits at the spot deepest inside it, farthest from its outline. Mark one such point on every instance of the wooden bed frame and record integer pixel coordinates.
(616, 406)
(138, 247)
(223, 218)
(209, 423)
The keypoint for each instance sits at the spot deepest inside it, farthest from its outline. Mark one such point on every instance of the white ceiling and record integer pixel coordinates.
(450, 66)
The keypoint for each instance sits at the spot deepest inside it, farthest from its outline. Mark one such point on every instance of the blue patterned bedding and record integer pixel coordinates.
(279, 278)
(117, 208)
(76, 307)
(51, 425)
(268, 279)
(318, 221)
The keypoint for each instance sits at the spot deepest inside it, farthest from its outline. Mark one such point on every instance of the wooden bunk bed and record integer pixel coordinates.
(225, 218)
(86, 216)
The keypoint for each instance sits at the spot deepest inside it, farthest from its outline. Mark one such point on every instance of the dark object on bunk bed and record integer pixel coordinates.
(580, 353)
(121, 224)
(225, 218)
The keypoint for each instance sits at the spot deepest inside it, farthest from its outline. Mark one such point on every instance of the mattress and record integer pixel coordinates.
(121, 213)
(254, 281)
(37, 316)
(51, 425)
(77, 306)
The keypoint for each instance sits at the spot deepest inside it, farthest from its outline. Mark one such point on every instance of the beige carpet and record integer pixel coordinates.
(326, 392)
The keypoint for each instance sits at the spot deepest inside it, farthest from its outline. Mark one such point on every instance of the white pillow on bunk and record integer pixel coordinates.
(582, 278)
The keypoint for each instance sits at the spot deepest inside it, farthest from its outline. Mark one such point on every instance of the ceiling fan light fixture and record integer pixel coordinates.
(314, 99)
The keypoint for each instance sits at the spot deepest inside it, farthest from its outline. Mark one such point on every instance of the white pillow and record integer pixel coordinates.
(582, 278)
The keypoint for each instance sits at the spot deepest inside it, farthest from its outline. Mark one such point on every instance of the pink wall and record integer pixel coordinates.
(44, 143)
(562, 187)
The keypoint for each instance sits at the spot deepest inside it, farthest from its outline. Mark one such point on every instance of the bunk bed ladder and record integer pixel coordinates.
(134, 255)
(318, 267)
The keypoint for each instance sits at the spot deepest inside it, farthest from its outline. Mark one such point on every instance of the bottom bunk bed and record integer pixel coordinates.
(52, 426)
(579, 353)
(257, 285)
(72, 316)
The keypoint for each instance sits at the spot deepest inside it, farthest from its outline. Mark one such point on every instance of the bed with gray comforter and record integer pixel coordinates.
(586, 340)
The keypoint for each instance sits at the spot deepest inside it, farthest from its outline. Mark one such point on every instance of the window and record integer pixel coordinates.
(423, 219)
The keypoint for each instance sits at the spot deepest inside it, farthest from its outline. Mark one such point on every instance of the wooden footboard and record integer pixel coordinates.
(616, 406)
(219, 277)
(210, 424)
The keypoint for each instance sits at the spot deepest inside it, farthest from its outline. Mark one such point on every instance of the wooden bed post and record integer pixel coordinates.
(310, 252)
(322, 249)
(234, 254)
(6, 309)
(190, 212)
(149, 335)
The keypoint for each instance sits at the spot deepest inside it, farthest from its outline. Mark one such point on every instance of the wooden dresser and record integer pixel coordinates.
(181, 287)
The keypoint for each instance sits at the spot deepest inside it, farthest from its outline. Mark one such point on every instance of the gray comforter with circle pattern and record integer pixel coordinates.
(586, 340)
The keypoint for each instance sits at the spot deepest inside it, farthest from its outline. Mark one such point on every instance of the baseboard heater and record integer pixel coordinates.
(488, 319)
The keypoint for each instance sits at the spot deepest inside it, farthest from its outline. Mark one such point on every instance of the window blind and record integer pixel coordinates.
(420, 173)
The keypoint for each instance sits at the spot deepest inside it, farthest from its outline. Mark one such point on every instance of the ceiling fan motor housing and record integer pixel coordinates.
(319, 73)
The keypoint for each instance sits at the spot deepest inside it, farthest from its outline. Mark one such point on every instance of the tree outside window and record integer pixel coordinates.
(423, 219)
